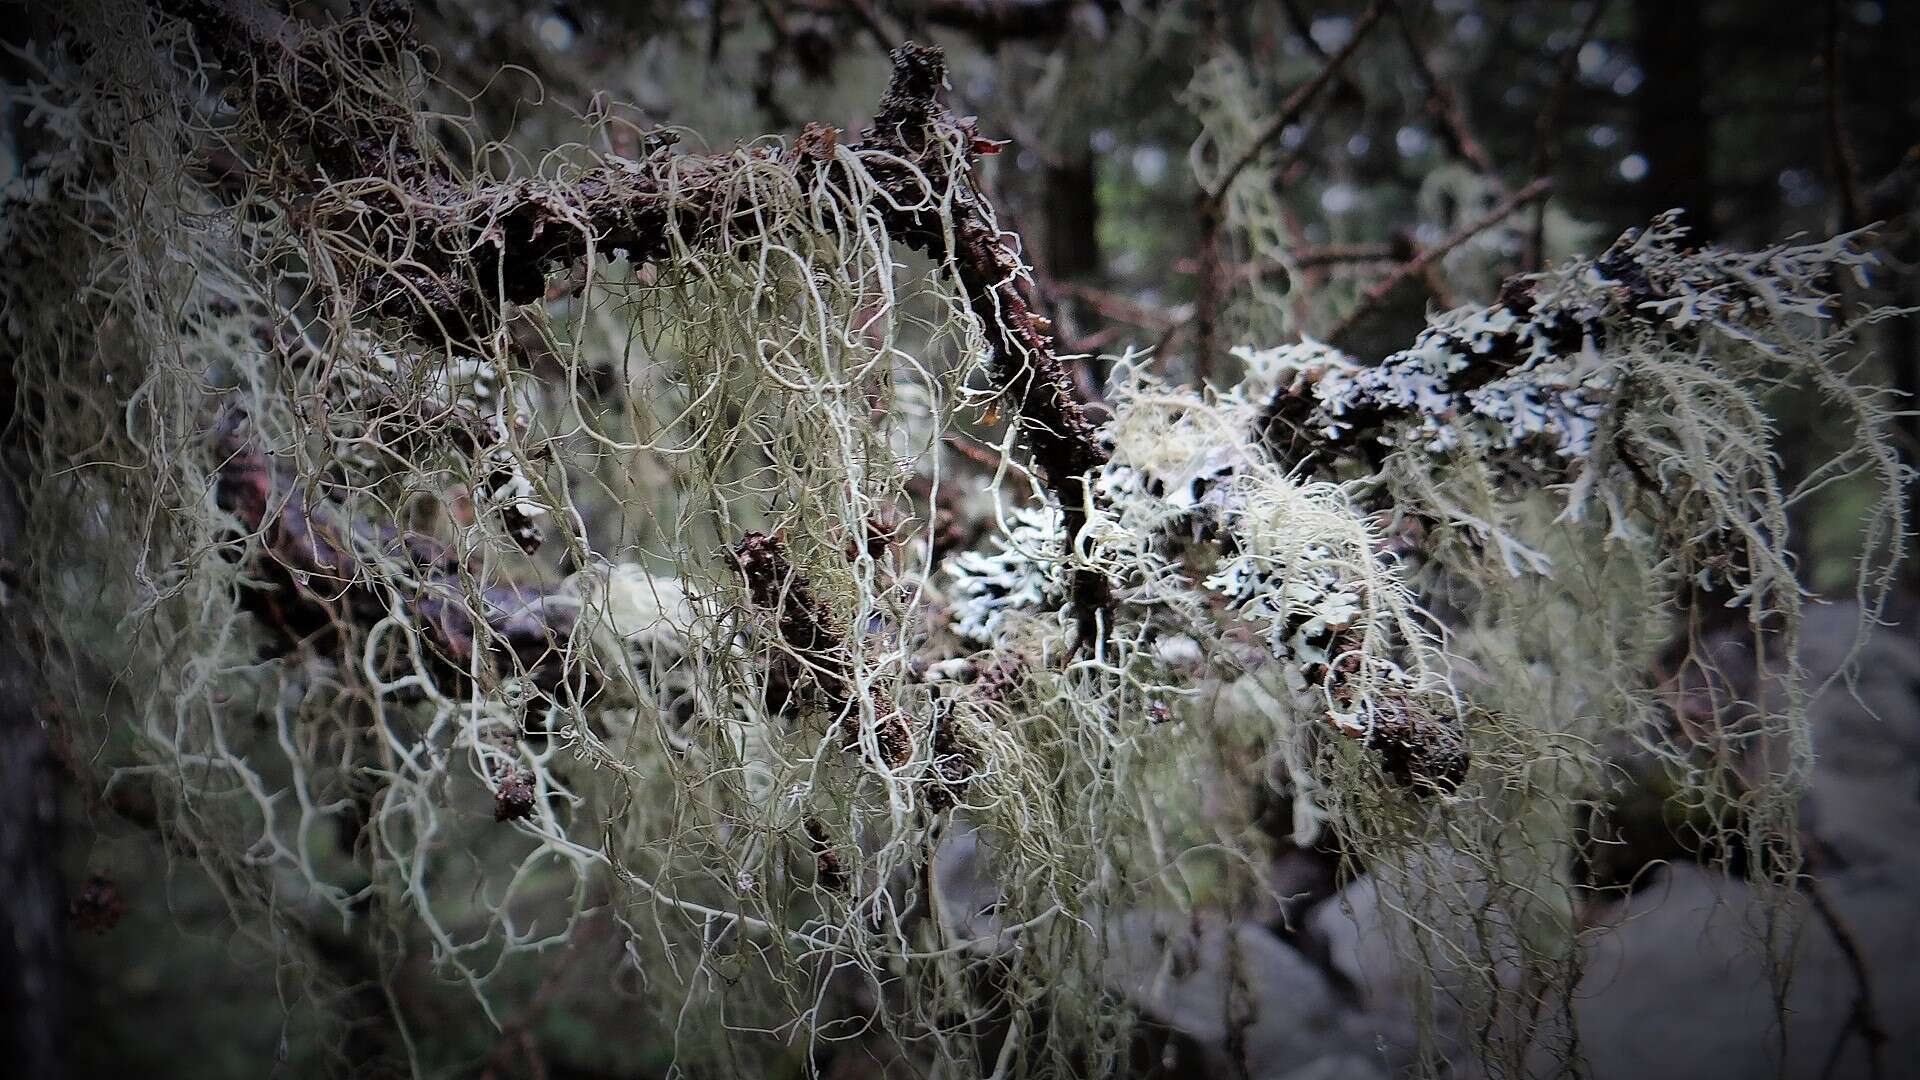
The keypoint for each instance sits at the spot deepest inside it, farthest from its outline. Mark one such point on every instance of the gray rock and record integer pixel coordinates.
(1205, 976)
(1679, 987)
(1863, 797)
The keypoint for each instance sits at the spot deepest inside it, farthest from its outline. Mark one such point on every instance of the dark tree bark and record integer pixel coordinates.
(1069, 200)
(33, 924)
(33, 953)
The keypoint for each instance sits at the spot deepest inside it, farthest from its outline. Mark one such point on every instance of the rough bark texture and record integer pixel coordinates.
(988, 268)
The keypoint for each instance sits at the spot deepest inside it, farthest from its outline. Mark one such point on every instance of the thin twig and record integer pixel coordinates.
(1303, 29)
(1212, 207)
(1337, 254)
(1211, 218)
(1301, 97)
(1445, 106)
(1417, 266)
(972, 451)
(1113, 306)
(1308, 256)
(869, 21)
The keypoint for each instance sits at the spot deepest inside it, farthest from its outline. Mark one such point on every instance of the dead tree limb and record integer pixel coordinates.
(455, 250)
(1298, 100)
(308, 586)
(985, 262)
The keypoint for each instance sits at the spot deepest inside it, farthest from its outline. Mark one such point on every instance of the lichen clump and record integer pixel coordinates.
(469, 551)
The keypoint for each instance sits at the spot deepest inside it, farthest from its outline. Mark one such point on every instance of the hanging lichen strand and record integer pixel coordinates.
(450, 558)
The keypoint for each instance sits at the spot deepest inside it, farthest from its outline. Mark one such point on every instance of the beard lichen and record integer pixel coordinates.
(455, 604)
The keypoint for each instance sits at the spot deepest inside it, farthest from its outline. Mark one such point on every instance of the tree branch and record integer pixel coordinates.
(308, 588)
(1546, 140)
(1445, 105)
(986, 263)
(1212, 207)
(817, 643)
(453, 251)
(1301, 97)
(1419, 264)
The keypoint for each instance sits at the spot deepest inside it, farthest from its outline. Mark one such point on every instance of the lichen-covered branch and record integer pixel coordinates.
(985, 261)
(310, 585)
(270, 267)
(1206, 541)
(1531, 373)
(450, 252)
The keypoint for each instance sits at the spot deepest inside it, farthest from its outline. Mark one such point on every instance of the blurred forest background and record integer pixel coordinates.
(1407, 186)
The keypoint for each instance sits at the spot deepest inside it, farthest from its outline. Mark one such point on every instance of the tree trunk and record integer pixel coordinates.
(32, 919)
